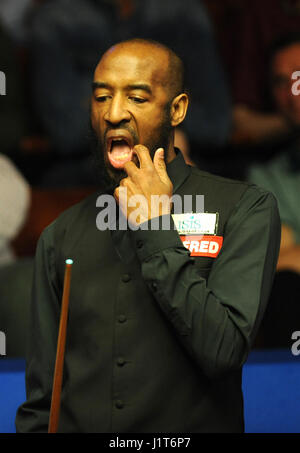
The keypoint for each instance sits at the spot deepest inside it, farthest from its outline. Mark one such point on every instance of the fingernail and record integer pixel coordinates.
(161, 152)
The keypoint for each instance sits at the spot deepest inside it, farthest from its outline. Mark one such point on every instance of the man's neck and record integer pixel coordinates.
(170, 155)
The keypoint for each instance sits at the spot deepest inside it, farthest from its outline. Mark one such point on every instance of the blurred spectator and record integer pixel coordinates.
(68, 37)
(15, 274)
(258, 24)
(281, 176)
(14, 204)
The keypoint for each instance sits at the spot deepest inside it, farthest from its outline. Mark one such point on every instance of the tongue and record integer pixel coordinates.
(119, 154)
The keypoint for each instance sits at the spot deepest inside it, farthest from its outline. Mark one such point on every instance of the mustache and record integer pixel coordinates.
(123, 126)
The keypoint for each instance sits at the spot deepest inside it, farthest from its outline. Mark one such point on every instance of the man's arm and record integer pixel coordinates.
(271, 178)
(33, 415)
(255, 126)
(216, 319)
(289, 256)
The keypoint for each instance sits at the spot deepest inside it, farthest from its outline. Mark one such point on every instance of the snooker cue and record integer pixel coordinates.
(60, 352)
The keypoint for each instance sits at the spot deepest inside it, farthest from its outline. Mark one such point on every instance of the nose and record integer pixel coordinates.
(117, 112)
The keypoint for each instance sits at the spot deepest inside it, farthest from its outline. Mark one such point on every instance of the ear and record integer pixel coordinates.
(179, 108)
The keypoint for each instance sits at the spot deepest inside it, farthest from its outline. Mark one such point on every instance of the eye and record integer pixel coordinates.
(101, 98)
(137, 100)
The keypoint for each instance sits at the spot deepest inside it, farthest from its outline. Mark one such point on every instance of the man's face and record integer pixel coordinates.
(285, 63)
(130, 104)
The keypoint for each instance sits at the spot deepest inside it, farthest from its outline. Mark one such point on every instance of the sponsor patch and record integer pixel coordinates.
(202, 245)
(196, 223)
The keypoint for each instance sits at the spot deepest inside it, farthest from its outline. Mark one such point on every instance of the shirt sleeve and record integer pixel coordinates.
(216, 318)
(33, 415)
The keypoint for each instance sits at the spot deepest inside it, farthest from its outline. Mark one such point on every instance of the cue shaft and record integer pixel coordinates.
(60, 353)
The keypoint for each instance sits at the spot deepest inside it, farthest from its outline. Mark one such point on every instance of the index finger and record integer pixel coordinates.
(131, 169)
(143, 155)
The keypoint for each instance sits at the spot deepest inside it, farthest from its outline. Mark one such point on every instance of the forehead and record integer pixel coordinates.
(126, 64)
(288, 59)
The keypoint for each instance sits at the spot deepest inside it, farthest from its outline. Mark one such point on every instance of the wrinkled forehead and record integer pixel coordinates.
(132, 63)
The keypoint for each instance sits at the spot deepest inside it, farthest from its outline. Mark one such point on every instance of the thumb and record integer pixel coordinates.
(160, 166)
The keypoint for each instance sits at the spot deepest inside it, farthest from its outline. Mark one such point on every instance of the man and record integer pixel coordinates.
(156, 336)
(15, 201)
(257, 25)
(281, 175)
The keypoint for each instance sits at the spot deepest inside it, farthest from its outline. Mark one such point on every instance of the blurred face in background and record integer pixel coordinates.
(285, 63)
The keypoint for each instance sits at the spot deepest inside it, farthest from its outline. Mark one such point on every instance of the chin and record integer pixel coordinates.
(115, 175)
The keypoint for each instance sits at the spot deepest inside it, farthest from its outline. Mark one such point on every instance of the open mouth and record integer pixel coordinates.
(119, 152)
